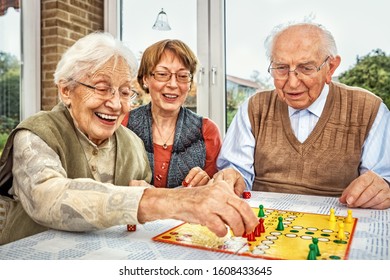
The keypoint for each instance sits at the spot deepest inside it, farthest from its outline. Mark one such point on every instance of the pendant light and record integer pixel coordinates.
(161, 22)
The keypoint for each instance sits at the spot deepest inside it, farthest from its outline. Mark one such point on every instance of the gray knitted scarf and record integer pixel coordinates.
(189, 149)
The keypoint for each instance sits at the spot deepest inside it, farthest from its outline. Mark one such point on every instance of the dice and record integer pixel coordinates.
(246, 195)
(131, 227)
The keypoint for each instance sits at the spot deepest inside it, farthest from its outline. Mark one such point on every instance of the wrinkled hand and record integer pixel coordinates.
(196, 177)
(369, 190)
(214, 206)
(234, 177)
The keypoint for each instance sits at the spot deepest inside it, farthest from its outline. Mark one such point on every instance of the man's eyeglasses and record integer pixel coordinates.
(126, 93)
(165, 76)
(281, 72)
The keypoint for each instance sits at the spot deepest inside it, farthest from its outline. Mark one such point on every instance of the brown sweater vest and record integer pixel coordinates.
(329, 158)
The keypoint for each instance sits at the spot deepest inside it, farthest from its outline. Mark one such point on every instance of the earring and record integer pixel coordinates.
(145, 86)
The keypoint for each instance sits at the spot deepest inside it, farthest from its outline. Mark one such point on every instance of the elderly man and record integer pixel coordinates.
(311, 135)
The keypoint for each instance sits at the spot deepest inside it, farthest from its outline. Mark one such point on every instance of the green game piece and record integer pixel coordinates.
(312, 253)
(315, 242)
(280, 224)
(261, 211)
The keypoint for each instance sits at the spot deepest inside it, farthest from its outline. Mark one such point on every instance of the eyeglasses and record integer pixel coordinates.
(126, 93)
(165, 76)
(282, 72)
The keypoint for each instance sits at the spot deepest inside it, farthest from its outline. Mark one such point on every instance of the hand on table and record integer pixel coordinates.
(369, 190)
(234, 177)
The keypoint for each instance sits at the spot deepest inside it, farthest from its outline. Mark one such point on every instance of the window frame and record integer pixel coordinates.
(30, 79)
(211, 76)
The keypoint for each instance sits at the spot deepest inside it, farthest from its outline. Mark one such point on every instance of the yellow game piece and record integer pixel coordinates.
(341, 233)
(332, 216)
(349, 218)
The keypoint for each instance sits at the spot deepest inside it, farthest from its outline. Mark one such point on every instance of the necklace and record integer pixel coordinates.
(165, 146)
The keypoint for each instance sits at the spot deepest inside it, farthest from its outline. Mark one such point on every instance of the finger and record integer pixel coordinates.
(192, 177)
(205, 179)
(233, 219)
(218, 176)
(247, 215)
(201, 178)
(189, 177)
(240, 186)
(217, 225)
(355, 189)
(375, 197)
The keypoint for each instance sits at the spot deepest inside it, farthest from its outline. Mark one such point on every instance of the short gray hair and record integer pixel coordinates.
(329, 43)
(89, 54)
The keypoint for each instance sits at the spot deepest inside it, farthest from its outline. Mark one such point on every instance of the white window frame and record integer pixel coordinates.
(211, 80)
(30, 92)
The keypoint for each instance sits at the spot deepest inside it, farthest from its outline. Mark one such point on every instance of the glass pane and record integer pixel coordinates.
(137, 20)
(357, 25)
(9, 73)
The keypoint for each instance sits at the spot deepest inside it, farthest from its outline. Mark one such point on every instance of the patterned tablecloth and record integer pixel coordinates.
(370, 241)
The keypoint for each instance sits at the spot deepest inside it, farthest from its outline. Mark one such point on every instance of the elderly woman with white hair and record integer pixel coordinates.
(76, 168)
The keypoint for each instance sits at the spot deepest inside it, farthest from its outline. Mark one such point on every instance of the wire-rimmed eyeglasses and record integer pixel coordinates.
(126, 93)
(165, 76)
(282, 71)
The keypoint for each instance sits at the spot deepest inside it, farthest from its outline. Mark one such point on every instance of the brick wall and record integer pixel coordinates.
(62, 23)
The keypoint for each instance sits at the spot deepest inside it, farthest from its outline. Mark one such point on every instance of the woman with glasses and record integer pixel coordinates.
(311, 135)
(70, 168)
(182, 146)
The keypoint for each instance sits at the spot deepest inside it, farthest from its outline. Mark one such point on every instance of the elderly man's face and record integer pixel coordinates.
(96, 117)
(300, 47)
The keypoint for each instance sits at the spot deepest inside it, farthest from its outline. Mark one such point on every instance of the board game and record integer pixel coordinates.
(287, 235)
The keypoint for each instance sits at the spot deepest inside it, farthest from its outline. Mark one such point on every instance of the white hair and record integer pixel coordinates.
(329, 43)
(89, 54)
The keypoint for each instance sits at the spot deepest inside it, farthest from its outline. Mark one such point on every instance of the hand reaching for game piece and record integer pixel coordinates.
(369, 190)
(214, 205)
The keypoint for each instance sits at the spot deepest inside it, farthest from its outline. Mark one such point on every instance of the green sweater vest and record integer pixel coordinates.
(56, 128)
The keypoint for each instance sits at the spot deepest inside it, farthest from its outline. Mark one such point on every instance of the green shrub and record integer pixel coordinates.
(3, 140)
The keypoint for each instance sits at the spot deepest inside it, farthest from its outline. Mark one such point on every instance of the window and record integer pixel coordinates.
(137, 33)
(357, 26)
(19, 63)
(10, 69)
(228, 37)
(192, 21)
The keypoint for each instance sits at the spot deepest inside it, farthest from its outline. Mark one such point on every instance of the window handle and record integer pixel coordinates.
(200, 75)
(213, 74)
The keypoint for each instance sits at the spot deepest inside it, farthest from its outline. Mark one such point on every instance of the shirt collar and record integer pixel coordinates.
(317, 107)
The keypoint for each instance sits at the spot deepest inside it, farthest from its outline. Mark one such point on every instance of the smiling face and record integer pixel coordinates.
(167, 97)
(96, 117)
(298, 46)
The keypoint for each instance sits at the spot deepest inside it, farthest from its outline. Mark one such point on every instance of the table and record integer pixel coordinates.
(370, 242)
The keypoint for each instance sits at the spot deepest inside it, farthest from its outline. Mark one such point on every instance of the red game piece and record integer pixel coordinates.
(131, 227)
(258, 231)
(251, 236)
(261, 225)
(246, 195)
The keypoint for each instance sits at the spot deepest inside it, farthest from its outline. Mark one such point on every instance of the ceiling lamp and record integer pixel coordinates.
(161, 22)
